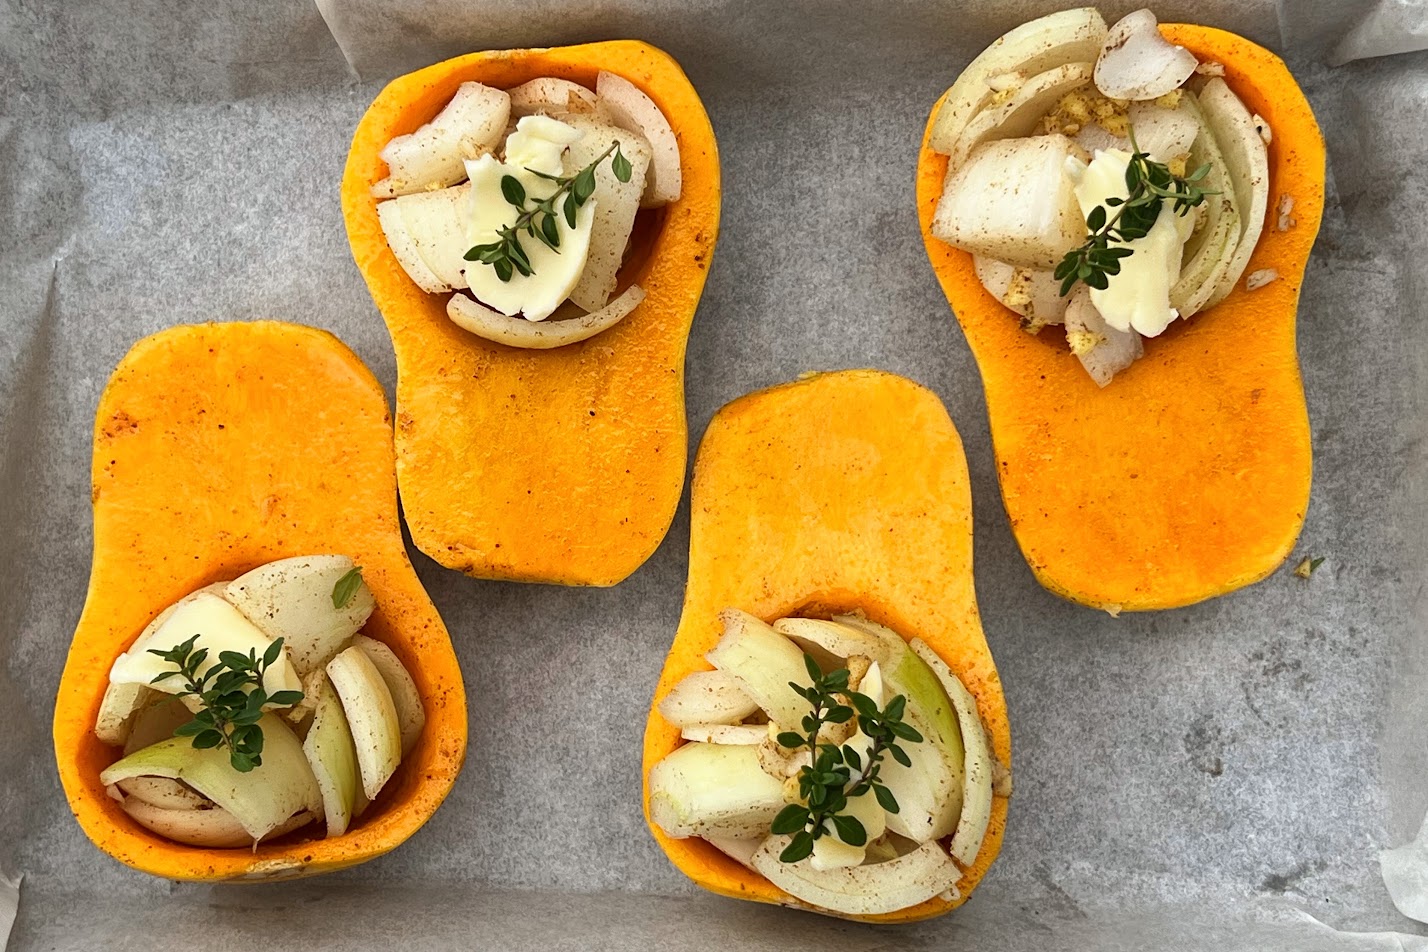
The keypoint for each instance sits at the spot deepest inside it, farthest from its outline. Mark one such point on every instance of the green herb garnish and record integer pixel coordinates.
(1148, 185)
(538, 220)
(346, 587)
(232, 695)
(829, 783)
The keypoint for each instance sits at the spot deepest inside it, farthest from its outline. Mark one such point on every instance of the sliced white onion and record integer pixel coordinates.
(427, 233)
(261, 799)
(764, 662)
(1247, 163)
(1093, 137)
(861, 890)
(540, 335)
(1033, 293)
(631, 109)
(1136, 62)
(117, 711)
(332, 754)
(163, 793)
(292, 599)
(706, 697)
(1164, 133)
(1111, 351)
(211, 828)
(371, 716)
(616, 204)
(1013, 201)
(431, 157)
(836, 641)
(550, 96)
(405, 696)
(713, 790)
(725, 733)
(156, 722)
(1210, 251)
(1019, 115)
(977, 795)
(740, 850)
(1070, 36)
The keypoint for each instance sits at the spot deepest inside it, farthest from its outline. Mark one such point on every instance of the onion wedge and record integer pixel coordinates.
(861, 890)
(1247, 162)
(977, 794)
(706, 697)
(214, 828)
(261, 800)
(1033, 293)
(1019, 115)
(713, 790)
(371, 715)
(405, 696)
(432, 156)
(835, 640)
(629, 108)
(1136, 62)
(1212, 249)
(550, 96)
(1110, 350)
(725, 733)
(765, 663)
(331, 753)
(163, 793)
(494, 326)
(1071, 36)
(291, 599)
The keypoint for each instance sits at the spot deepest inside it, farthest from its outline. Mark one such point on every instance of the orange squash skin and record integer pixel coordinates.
(807, 501)
(217, 448)
(1188, 476)
(562, 465)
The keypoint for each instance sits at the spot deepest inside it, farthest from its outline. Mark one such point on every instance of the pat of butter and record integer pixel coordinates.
(1139, 296)
(535, 147)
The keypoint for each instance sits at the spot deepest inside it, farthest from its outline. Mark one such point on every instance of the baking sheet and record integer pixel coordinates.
(1216, 777)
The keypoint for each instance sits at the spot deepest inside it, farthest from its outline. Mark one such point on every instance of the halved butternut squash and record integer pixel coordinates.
(1188, 476)
(217, 448)
(561, 465)
(839, 493)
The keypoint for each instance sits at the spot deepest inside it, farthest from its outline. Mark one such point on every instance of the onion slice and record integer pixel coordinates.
(977, 794)
(765, 663)
(629, 108)
(861, 890)
(713, 790)
(1019, 115)
(725, 733)
(1136, 62)
(213, 828)
(472, 122)
(291, 599)
(261, 800)
(550, 96)
(1071, 36)
(540, 335)
(405, 695)
(163, 793)
(1211, 249)
(1247, 162)
(1113, 351)
(706, 697)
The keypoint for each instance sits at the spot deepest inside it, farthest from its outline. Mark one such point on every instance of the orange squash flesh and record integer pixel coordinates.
(217, 448)
(840, 492)
(561, 465)
(1188, 476)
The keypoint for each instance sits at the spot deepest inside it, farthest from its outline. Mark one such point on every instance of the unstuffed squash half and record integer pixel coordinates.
(535, 463)
(1188, 475)
(218, 448)
(807, 504)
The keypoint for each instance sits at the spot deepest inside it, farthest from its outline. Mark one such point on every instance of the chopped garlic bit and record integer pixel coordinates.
(1178, 164)
(1286, 213)
(1018, 293)
(1262, 127)
(1170, 100)
(1210, 69)
(1259, 279)
(1083, 342)
(1083, 106)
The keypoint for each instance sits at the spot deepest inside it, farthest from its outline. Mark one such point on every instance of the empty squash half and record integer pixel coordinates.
(217, 448)
(562, 465)
(1188, 476)
(841, 493)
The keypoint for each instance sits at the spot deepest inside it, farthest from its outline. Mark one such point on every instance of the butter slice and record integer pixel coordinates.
(1139, 296)
(535, 147)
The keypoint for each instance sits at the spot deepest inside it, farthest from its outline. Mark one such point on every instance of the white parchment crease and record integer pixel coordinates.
(1198, 779)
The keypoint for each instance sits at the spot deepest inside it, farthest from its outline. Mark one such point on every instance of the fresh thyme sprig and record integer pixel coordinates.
(1148, 185)
(232, 695)
(838, 772)
(538, 220)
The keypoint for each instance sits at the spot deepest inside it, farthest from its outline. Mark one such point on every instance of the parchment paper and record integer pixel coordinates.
(1218, 777)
